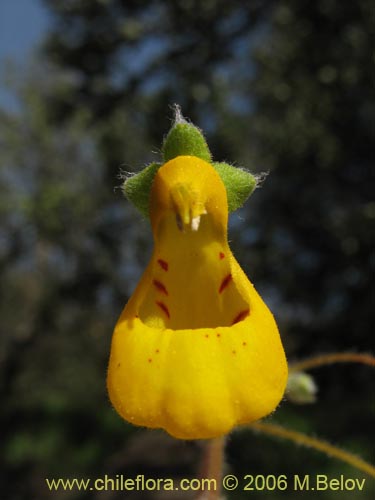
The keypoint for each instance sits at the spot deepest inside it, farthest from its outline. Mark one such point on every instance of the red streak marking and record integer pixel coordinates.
(160, 287)
(242, 315)
(225, 282)
(163, 264)
(164, 308)
(221, 255)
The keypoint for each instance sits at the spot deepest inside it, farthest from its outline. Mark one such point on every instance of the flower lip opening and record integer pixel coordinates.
(192, 282)
(187, 206)
(158, 323)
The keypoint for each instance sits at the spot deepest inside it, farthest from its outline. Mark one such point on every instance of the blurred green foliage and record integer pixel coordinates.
(283, 87)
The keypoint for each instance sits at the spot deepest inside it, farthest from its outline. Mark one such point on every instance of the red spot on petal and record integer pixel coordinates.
(221, 255)
(225, 282)
(242, 315)
(149, 360)
(159, 285)
(164, 308)
(244, 343)
(218, 335)
(206, 335)
(233, 352)
(157, 351)
(163, 264)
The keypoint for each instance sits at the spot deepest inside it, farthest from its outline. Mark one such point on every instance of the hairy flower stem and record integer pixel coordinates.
(328, 359)
(212, 468)
(317, 444)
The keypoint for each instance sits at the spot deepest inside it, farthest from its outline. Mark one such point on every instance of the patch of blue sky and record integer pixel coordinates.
(23, 24)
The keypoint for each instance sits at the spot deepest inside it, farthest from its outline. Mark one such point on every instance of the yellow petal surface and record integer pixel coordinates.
(196, 351)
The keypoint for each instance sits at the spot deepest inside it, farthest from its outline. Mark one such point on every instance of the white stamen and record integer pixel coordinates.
(195, 223)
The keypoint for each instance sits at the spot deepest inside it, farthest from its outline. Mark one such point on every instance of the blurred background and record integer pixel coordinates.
(284, 87)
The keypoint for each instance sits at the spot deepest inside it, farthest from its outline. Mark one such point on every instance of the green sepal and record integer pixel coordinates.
(184, 139)
(238, 183)
(137, 188)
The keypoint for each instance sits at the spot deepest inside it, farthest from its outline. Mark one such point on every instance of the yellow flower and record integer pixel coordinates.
(195, 351)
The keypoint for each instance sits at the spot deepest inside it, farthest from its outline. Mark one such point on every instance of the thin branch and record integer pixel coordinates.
(328, 359)
(317, 444)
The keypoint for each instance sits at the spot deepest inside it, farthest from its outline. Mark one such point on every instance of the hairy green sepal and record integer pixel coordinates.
(239, 184)
(184, 139)
(137, 188)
